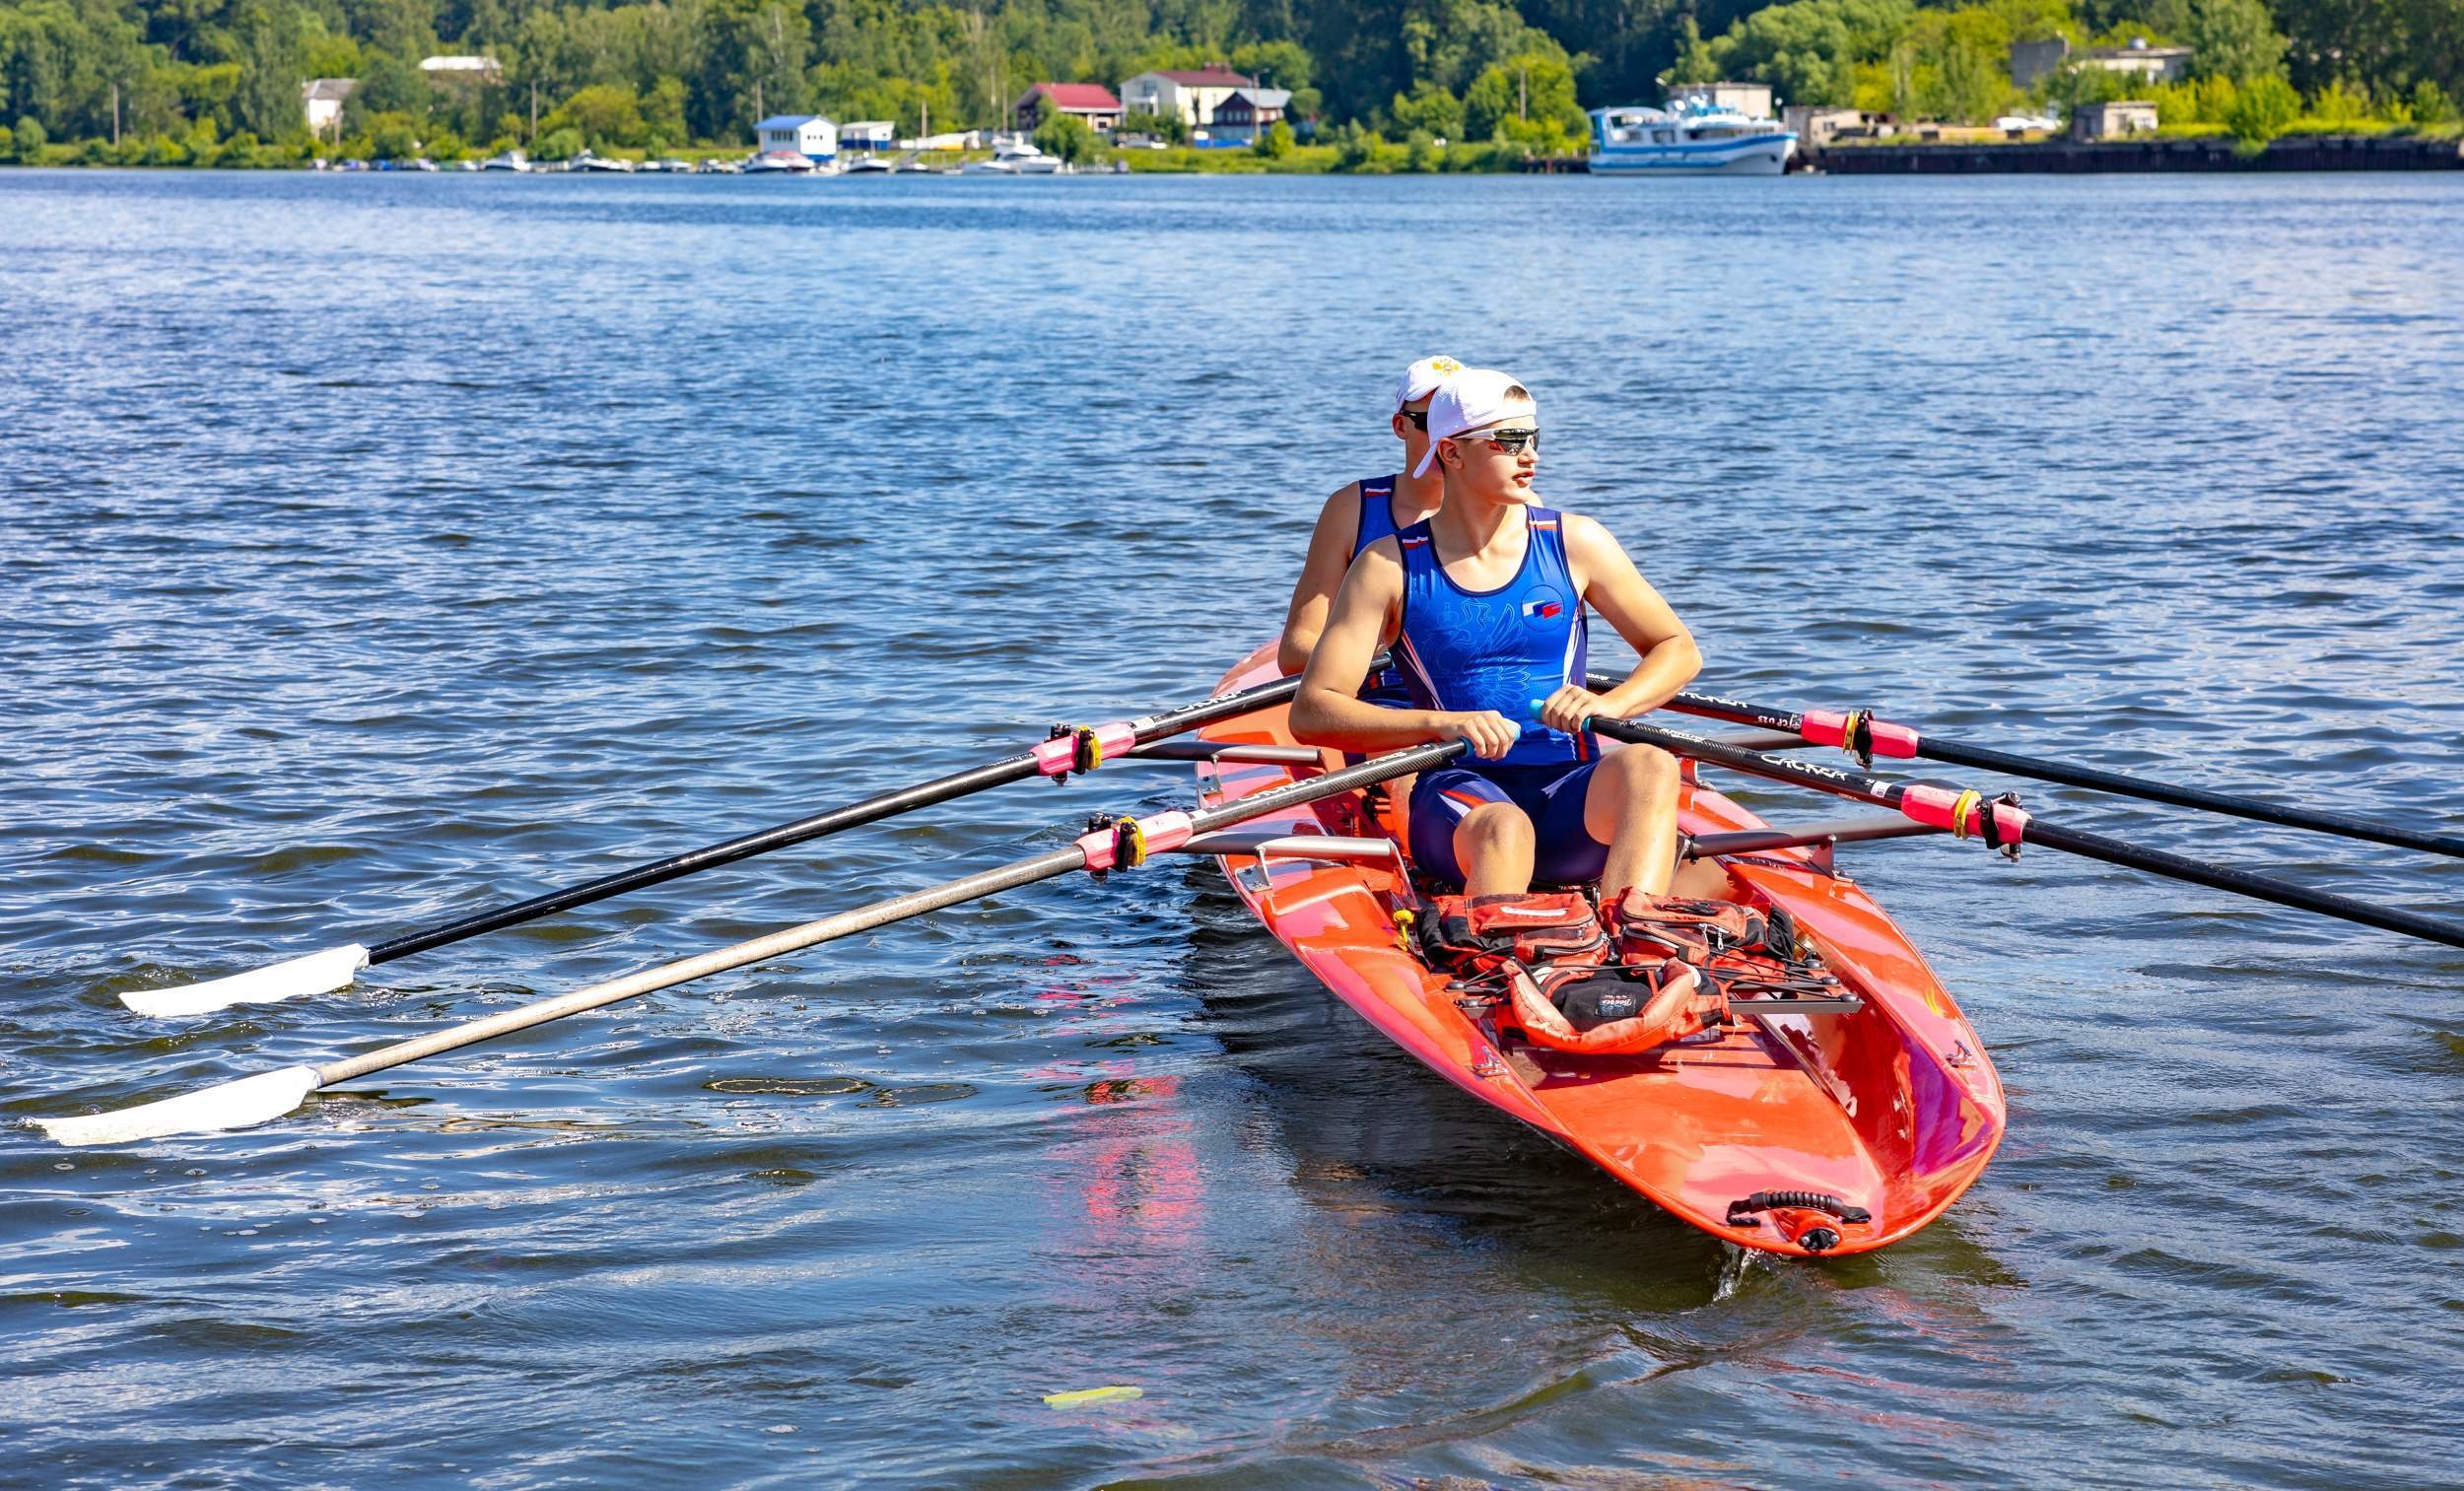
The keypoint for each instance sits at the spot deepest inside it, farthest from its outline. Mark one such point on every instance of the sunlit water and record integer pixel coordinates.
(377, 549)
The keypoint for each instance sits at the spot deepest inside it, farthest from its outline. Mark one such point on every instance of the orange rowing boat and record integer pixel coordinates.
(1789, 1133)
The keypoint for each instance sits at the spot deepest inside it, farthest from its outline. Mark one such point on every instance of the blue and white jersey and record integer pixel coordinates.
(1377, 520)
(1497, 649)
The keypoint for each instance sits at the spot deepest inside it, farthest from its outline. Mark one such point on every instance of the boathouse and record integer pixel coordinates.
(869, 135)
(811, 136)
(322, 99)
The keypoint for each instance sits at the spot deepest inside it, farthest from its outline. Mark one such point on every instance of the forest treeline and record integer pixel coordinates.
(205, 77)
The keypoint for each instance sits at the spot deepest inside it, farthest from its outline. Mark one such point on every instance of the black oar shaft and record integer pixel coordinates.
(709, 856)
(1887, 792)
(1910, 742)
(2242, 883)
(1958, 753)
(835, 820)
(975, 887)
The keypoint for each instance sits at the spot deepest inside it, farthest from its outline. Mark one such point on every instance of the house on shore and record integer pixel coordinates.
(2113, 122)
(2032, 61)
(322, 99)
(465, 72)
(1191, 95)
(1091, 101)
(811, 136)
(1248, 113)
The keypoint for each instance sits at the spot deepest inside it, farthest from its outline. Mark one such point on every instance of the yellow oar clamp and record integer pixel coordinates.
(1856, 736)
(1963, 814)
(1129, 845)
(1086, 749)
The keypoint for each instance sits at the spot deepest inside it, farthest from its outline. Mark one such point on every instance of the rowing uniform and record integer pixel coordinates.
(1383, 689)
(1500, 649)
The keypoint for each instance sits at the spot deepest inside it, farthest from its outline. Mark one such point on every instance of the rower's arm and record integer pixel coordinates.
(1612, 586)
(1327, 711)
(1320, 573)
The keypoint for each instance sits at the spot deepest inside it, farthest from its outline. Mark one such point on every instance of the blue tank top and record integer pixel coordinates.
(1377, 512)
(1497, 649)
(1377, 520)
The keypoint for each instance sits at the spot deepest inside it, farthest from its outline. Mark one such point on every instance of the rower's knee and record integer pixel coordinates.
(1641, 773)
(1497, 827)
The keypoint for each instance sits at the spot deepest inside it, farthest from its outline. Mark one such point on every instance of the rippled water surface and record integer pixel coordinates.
(376, 548)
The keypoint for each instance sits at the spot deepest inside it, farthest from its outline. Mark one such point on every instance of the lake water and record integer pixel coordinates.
(378, 548)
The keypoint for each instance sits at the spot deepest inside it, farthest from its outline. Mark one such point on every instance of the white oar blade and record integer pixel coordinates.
(312, 975)
(244, 1104)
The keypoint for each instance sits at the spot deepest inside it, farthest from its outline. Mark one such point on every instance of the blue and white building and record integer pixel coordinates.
(811, 136)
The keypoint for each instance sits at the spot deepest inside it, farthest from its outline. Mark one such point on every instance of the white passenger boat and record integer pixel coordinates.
(1016, 158)
(1691, 140)
(512, 159)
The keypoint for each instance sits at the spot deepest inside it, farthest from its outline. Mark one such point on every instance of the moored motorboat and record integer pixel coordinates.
(1690, 138)
(1790, 1134)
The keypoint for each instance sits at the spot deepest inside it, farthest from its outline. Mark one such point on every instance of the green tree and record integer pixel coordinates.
(560, 145)
(1067, 136)
(2233, 39)
(2263, 108)
(32, 137)
(1276, 141)
(273, 58)
(1428, 108)
(607, 115)
(1527, 99)
(2429, 103)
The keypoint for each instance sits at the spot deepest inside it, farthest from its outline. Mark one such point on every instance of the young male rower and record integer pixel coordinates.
(1360, 514)
(1484, 604)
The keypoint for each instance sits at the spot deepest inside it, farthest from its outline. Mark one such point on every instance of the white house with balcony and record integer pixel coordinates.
(1193, 95)
(811, 136)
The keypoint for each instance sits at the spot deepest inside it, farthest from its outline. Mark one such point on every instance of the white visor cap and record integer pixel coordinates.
(1423, 379)
(1471, 399)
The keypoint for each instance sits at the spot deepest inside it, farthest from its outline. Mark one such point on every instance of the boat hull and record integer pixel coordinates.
(1896, 1109)
(1751, 156)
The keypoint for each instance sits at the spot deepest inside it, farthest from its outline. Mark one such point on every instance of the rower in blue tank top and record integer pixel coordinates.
(1484, 604)
(1360, 514)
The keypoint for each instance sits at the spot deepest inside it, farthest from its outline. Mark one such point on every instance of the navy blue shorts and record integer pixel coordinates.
(1551, 795)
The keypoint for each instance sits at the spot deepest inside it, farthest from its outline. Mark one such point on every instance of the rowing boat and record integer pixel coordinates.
(1789, 1134)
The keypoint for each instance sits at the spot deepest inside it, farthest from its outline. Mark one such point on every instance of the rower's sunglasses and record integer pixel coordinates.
(1419, 417)
(1511, 441)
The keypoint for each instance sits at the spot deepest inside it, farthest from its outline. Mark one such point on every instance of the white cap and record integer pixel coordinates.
(1423, 379)
(1471, 399)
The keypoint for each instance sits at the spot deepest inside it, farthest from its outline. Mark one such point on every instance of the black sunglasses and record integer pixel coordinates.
(1419, 418)
(1511, 441)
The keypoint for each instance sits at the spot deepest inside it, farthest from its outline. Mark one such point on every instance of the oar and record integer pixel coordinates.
(1080, 749)
(1859, 733)
(1123, 844)
(2005, 826)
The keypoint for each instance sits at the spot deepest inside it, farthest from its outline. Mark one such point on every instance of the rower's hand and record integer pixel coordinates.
(1489, 733)
(1568, 707)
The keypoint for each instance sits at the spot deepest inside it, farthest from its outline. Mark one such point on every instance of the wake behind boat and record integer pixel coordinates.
(1692, 139)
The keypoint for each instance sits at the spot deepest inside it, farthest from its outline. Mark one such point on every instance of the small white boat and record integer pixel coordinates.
(588, 162)
(869, 165)
(512, 159)
(1016, 158)
(1694, 140)
(777, 162)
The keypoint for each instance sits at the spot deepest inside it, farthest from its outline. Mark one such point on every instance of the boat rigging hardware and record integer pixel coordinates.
(1167, 752)
(1742, 1212)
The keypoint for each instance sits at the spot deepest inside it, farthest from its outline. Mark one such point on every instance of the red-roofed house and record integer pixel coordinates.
(1091, 101)
(1194, 95)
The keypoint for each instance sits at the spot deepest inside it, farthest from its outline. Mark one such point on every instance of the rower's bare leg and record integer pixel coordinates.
(1494, 844)
(1632, 807)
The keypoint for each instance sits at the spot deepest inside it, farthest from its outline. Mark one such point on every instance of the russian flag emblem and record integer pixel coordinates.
(1543, 609)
